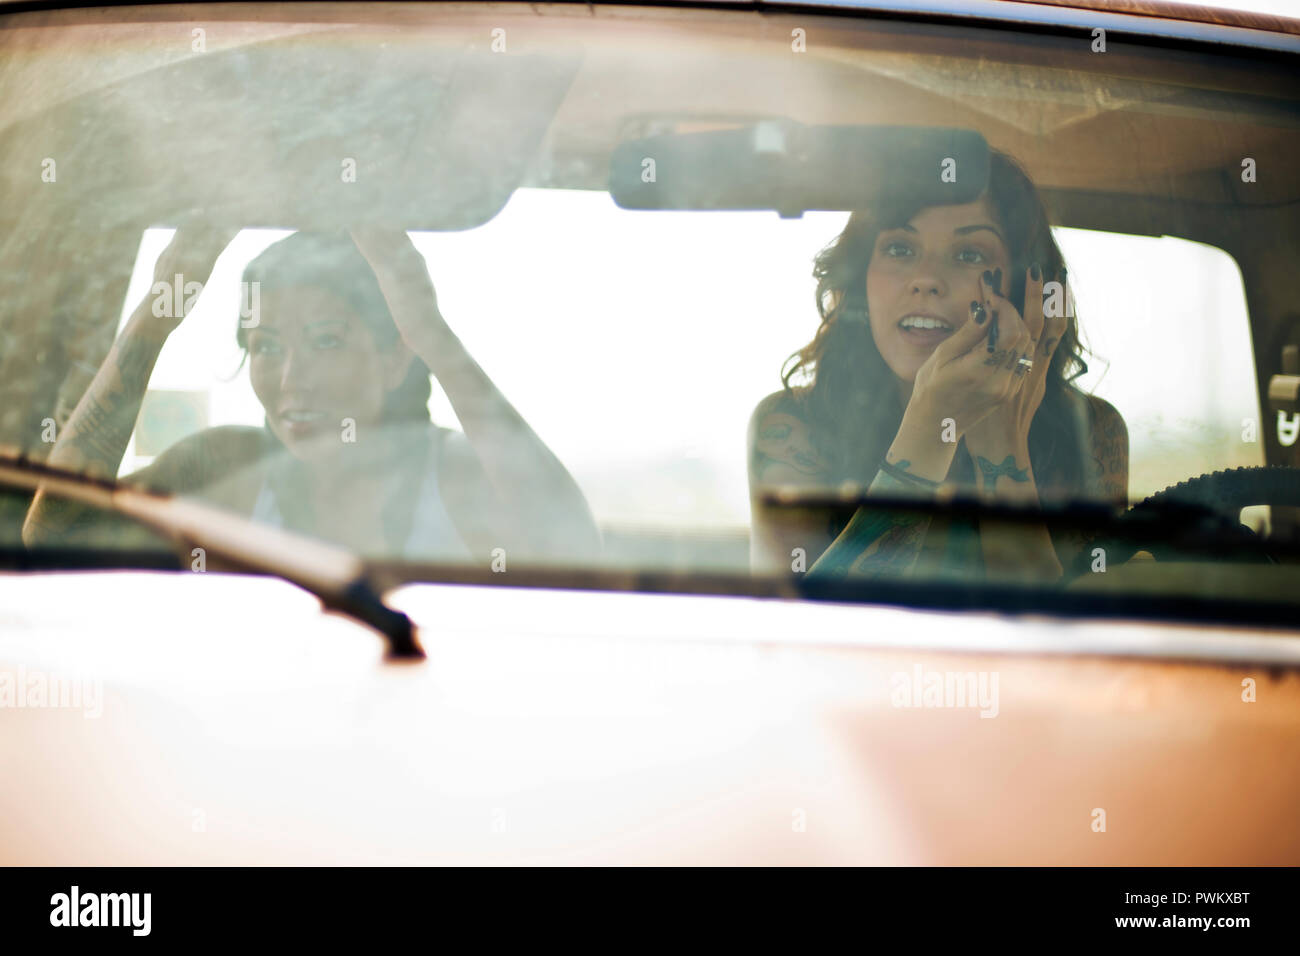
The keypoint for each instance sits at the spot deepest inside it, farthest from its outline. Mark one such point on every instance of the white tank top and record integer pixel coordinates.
(433, 535)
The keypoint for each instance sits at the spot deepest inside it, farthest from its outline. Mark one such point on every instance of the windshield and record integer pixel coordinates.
(492, 290)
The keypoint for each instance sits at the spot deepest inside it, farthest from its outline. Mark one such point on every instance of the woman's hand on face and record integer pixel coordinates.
(1005, 430)
(404, 280)
(961, 379)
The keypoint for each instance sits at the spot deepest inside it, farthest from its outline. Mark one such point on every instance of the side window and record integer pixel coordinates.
(1165, 321)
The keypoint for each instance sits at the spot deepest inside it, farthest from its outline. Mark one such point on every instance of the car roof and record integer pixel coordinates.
(1154, 21)
(1162, 9)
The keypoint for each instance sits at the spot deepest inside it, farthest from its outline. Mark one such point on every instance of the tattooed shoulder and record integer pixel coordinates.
(780, 444)
(1109, 450)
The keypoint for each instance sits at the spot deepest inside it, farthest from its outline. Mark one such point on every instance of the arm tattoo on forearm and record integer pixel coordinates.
(879, 544)
(95, 438)
(992, 472)
(101, 426)
(876, 544)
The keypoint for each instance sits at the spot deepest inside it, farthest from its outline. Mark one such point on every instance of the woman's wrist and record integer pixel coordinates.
(1004, 472)
(996, 441)
(143, 325)
(430, 338)
(923, 443)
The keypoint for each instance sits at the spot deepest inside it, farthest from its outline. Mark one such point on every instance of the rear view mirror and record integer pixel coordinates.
(792, 168)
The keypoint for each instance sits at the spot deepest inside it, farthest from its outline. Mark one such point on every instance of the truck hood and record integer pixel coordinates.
(226, 719)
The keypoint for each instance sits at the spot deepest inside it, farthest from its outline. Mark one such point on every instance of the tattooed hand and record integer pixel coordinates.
(1035, 336)
(959, 380)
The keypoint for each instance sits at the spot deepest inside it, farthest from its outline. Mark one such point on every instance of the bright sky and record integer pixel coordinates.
(637, 343)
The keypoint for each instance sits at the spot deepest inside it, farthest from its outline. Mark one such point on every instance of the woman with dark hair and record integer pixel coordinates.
(945, 359)
(340, 348)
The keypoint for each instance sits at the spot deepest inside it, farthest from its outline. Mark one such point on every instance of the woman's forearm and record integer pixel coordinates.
(95, 437)
(876, 543)
(546, 505)
(546, 508)
(1013, 551)
(886, 543)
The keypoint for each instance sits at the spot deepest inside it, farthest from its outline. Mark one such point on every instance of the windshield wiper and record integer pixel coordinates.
(337, 577)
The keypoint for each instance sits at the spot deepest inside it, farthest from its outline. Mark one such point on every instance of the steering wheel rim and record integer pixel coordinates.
(1217, 496)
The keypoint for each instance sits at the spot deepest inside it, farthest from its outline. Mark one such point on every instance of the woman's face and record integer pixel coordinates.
(930, 269)
(314, 363)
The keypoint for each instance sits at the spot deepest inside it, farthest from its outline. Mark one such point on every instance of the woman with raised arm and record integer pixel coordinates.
(944, 360)
(340, 355)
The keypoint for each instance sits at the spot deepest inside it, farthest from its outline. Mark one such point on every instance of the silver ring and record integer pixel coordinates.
(1024, 365)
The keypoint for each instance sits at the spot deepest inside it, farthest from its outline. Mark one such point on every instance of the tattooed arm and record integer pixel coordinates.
(1108, 445)
(1106, 467)
(1019, 551)
(95, 437)
(875, 543)
(541, 506)
(781, 453)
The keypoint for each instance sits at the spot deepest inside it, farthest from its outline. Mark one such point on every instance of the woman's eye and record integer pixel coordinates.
(973, 257)
(325, 342)
(896, 250)
(263, 347)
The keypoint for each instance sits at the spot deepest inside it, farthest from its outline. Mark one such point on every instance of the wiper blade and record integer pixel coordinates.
(337, 577)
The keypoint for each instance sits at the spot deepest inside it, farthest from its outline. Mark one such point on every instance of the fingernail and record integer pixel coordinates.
(976, 312)
(1035, 273)
(997, 282)
(988, 277)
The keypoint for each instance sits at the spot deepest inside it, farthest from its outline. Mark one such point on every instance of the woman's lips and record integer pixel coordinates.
(302, 421)
(924, 337)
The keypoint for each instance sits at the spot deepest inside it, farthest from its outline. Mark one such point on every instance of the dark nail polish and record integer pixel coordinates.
(976, 312)
(997, 282)
(988, 277)
(1035, 273)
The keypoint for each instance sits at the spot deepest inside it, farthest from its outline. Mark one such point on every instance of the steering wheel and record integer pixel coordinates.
(1168, 523)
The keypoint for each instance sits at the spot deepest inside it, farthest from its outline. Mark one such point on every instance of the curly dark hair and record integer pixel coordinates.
(851, 401)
